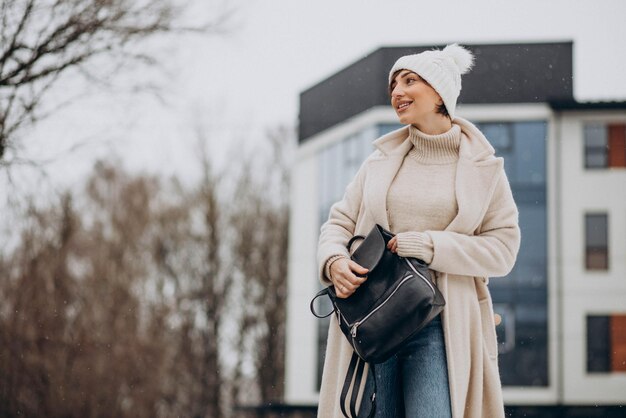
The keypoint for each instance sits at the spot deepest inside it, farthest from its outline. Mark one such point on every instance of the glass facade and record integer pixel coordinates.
(520, 299)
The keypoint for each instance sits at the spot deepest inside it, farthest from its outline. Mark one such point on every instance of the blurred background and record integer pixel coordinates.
(165, 167)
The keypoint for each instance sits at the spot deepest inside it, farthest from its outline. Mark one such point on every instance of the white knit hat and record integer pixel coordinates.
(442, 69)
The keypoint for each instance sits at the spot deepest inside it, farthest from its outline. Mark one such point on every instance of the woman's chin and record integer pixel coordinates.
(405, 119)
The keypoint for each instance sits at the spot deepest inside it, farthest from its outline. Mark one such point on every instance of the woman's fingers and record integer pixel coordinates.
(347, 282)
(339, 271)
(356, 268)
(392, 245)
(350, 282)
(347, 276)
(344, 288)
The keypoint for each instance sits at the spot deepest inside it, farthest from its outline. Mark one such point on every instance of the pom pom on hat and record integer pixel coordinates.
(442, 69)
(462, 57)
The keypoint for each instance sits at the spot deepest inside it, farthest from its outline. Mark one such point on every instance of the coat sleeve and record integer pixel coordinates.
(339, 228)
(490, 253)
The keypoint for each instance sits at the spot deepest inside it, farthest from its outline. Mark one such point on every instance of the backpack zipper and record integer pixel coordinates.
(420, 275)
(355, 326)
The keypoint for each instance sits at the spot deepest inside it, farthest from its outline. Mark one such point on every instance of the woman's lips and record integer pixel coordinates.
(404, 106)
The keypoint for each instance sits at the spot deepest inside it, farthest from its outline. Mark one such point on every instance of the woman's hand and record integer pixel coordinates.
(342, 274)
(392, 245)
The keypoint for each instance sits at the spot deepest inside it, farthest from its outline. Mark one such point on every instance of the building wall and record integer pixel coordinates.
(301, 352)
(588, 292)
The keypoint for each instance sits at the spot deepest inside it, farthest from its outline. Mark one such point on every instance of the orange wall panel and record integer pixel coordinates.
(618, 343)
(617, 145)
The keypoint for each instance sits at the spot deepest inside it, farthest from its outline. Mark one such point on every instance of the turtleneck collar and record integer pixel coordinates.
(435, 149)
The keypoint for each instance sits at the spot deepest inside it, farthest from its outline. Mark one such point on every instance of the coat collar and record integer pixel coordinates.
(475, 176)
(474, 146)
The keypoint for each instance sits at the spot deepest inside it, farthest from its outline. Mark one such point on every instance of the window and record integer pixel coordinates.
(606, 343)
(521, 301)
(605, 145)
(500, 135)
(596, 242)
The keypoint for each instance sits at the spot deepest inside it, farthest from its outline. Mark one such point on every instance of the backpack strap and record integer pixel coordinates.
(346, 384)
(312, 305)
(352, 240)
(357, 385)
(355, 372)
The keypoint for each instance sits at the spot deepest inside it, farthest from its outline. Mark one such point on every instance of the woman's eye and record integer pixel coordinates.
(410, 80)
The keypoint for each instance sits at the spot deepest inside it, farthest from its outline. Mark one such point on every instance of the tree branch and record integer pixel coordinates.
(18, 31)
(51, 37)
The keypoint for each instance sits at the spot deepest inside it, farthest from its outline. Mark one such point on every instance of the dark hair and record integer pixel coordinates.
(393, 77)
(441, 108)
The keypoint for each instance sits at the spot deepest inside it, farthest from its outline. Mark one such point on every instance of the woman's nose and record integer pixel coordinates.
(397, 92)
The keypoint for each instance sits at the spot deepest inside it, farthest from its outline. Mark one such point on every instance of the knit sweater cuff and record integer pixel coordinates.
(330, 261)
(415, 244)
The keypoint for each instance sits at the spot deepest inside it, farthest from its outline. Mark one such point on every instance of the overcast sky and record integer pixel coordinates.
(235, 86)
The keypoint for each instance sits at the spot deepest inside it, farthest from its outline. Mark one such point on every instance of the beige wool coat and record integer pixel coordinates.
(482, 241)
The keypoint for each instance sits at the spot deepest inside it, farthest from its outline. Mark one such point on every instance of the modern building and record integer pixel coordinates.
(562, 338)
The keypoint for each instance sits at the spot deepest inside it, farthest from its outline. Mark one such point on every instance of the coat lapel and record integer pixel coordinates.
(393, 147)
(474, 186)
(476, 178)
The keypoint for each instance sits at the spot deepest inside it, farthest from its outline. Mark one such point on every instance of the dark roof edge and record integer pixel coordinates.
(436, 46)
(565, 105)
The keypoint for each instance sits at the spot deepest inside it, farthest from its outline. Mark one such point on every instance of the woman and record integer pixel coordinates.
(438, 187)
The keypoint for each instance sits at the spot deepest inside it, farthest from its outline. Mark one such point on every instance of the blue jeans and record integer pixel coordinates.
(414, 382)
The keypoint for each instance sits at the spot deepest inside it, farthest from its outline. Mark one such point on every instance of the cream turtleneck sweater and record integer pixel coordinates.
(422, 195)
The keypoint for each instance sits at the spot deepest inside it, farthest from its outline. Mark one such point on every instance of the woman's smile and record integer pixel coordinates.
(402, 106)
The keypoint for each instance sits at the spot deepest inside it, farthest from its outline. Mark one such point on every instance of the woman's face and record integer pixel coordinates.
(413, 99)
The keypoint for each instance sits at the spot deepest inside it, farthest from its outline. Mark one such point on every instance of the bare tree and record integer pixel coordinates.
(145, 298)
(43, 40)
(260, 221)
(78, 338)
